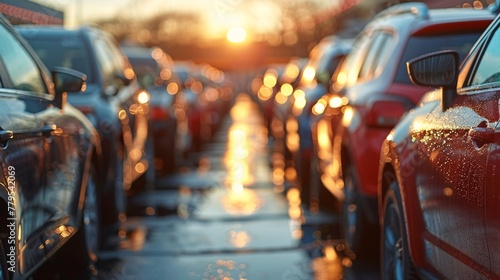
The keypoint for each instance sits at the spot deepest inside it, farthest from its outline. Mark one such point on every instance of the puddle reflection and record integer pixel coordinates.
(133, 240)
(241, 201)
(239, 239)
(225, 269)
(316, 235)
(241, 152)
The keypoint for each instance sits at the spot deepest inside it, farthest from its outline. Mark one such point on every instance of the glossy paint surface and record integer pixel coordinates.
(446, 162)
(42, 161)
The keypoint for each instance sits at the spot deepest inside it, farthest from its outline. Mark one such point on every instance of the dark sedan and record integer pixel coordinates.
(49, 157)
(113, 101)
(155, 72)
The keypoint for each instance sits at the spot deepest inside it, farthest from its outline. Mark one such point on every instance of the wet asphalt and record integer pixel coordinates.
(228, 217)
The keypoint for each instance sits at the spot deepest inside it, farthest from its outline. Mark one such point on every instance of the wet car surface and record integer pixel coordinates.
(232, 205)
(227, 218)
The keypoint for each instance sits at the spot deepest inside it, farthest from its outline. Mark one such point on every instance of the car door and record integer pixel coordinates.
(454, 184)
(485, 81)
(451, 184)
(67, 153)
(492, 203)
(23, 139)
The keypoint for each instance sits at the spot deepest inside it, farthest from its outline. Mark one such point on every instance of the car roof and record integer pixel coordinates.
(56, 31)
(36, 30)
(415, 16)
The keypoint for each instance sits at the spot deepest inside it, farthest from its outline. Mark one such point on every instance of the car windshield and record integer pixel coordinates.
(66, 52)
(417, 46)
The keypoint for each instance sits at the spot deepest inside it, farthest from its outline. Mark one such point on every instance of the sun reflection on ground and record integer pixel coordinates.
(239, 239)
(241, 201)
(328, 267)
(226, 269)
(238, 160)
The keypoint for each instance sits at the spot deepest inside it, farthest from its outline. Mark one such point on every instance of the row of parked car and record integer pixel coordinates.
(84, 123)
(396, 130)
(187, 117)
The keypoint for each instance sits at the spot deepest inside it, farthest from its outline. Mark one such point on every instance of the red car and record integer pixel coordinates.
(438, 178)
(379, 92)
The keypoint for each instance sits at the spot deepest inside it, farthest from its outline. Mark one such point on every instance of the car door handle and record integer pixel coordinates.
(45, 131)
(484, 135)
(48, 129)
(5, 136)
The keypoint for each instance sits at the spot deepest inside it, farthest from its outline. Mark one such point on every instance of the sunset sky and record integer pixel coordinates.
(220, 14)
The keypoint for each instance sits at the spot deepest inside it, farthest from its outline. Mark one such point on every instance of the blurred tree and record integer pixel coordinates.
(279, 29)
(177, 27)
(118, 27)
(281, 22)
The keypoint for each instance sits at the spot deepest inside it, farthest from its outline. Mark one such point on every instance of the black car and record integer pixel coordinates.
(49, 159)
(113, 101)
(155, 72)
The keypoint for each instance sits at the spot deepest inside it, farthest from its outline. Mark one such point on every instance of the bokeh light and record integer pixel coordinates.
(236, 35)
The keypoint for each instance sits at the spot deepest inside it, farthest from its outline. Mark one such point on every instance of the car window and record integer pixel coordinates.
(66, 52)
(488, 70)
(327, 66)
(106, 64)
(21, 69)
(350, 69)
(117, 55)
(420, 45)
(378, 53)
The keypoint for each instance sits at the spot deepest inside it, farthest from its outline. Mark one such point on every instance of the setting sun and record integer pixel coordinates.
(236, 35)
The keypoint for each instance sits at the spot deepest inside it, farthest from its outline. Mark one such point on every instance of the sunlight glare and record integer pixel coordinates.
(236, 35)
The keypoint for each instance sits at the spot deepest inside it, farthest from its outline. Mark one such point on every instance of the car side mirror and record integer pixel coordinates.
(438, 69)
(66, 80)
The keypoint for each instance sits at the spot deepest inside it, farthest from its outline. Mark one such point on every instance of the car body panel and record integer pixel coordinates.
(359, 142)
(300, 120)
(110, 102)
(155, 71)
(44, 157)
(443, 182)
(445, 161)
(449, 206)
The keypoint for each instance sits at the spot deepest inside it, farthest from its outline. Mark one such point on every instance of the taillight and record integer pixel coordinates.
(158, 113)
(385, 113)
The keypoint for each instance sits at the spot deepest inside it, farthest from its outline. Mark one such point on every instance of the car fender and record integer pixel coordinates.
(391, 170)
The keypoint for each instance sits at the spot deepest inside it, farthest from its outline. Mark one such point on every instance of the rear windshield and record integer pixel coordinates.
(417, 46)
(69, 52)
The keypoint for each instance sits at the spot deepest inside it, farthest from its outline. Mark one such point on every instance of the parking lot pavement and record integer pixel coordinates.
(226, 219)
